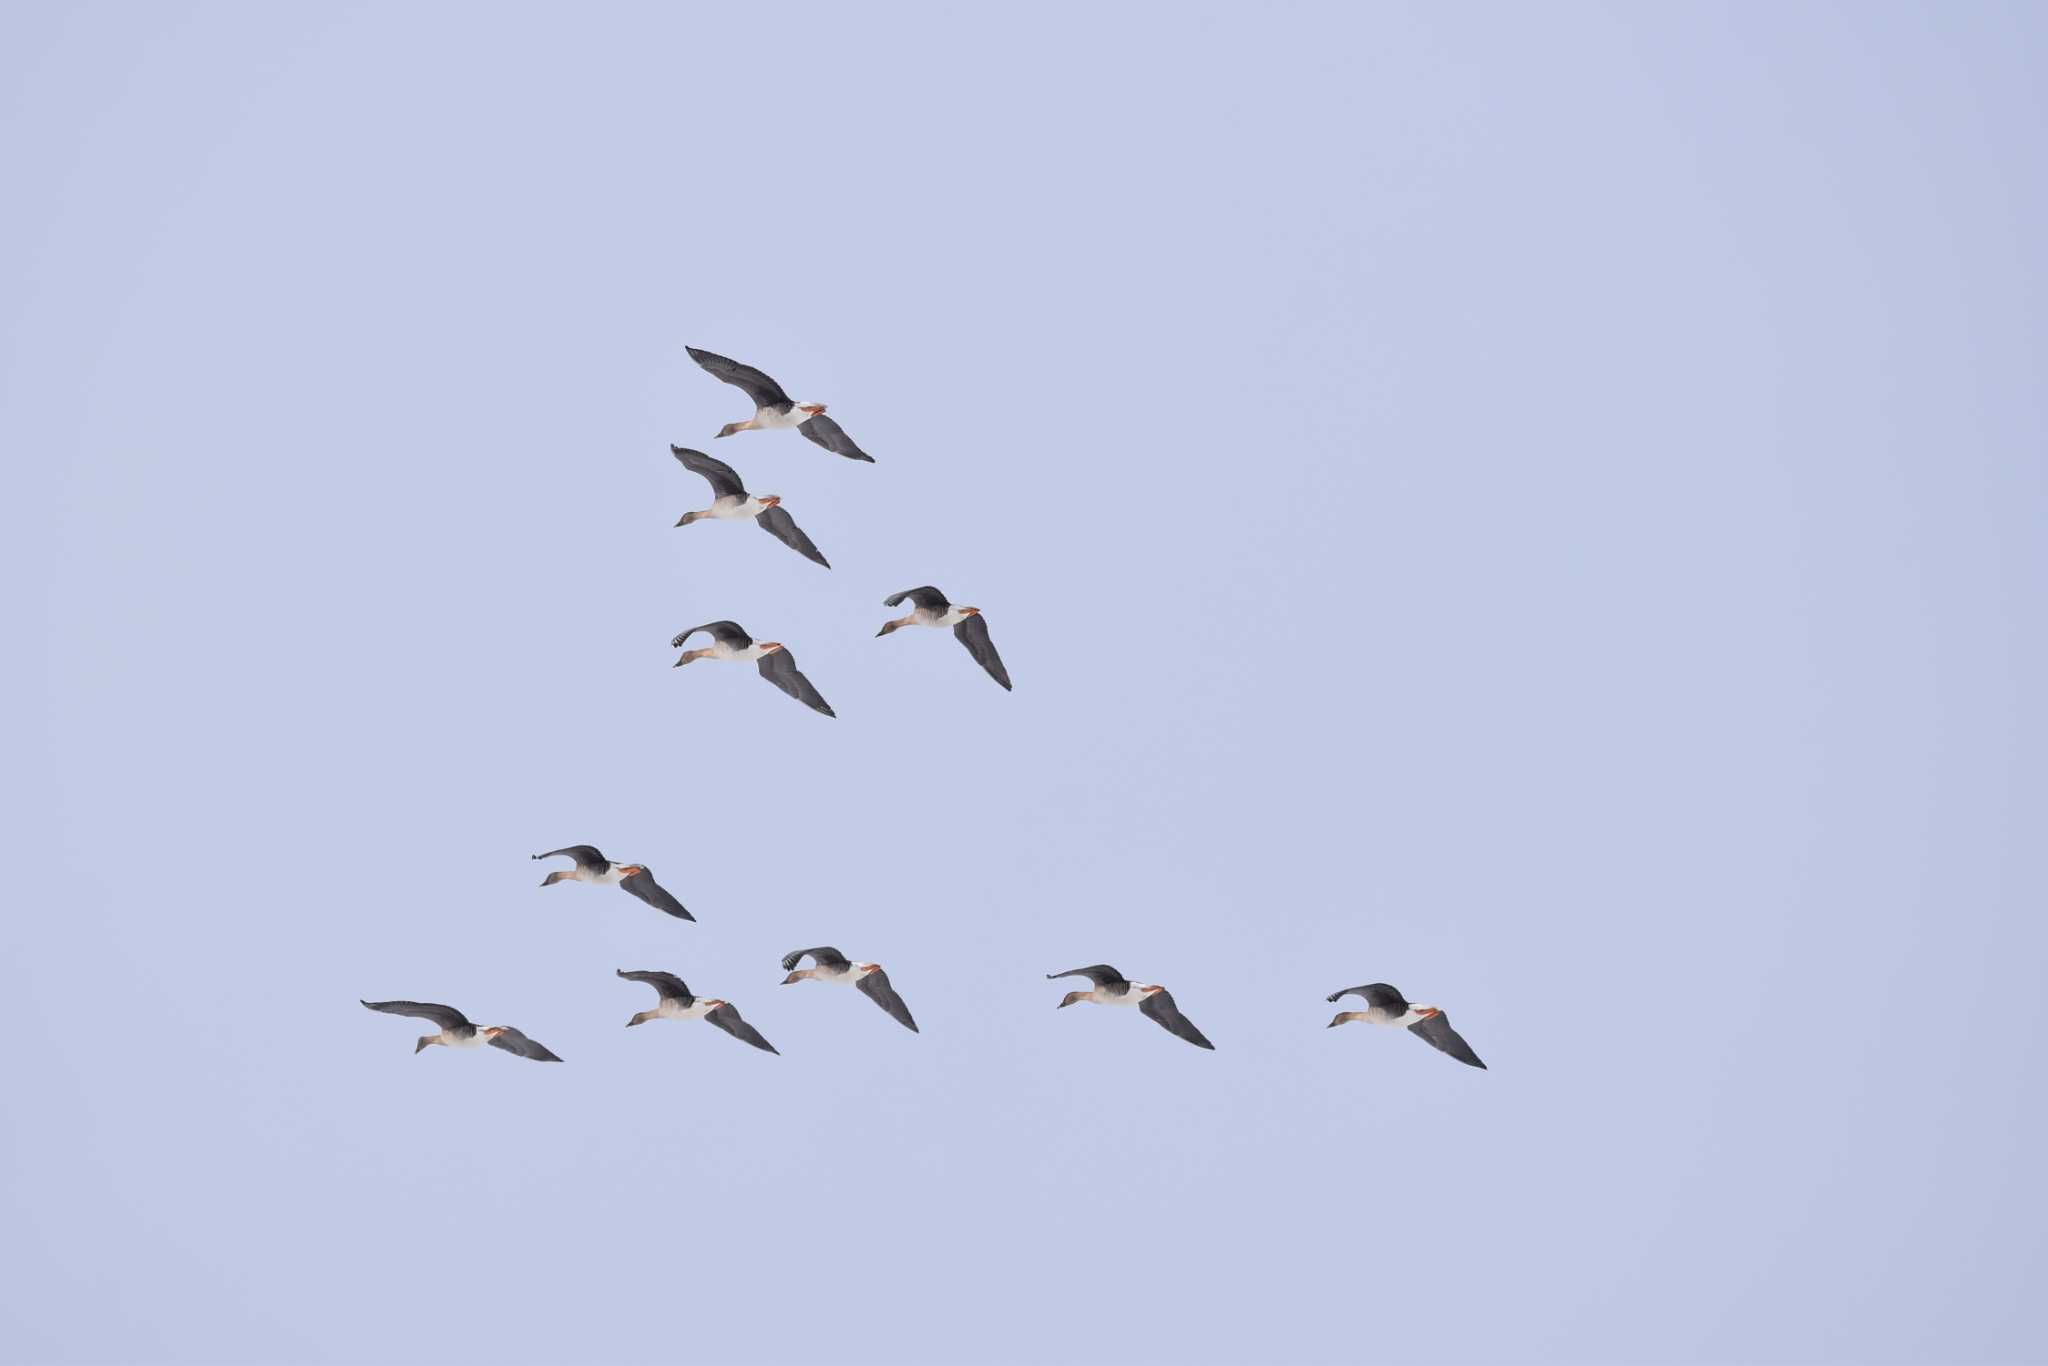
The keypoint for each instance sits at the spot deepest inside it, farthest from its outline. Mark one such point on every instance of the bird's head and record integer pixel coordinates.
(887, 627)
(1345, 1017)
(641, 1018)
(552, 878)
(425, 1041)
(793, 977)
(1070, 998)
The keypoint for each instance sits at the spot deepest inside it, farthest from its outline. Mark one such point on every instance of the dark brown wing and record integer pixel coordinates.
(780, 669)
(723, 478)
(586, 856)
(668, 984)
(833, 438)
(973, 633)
(443, 1017)
(728, 1019)
(823, 956)
(512, 1041)
(779, 524)
(765, 392)
(1377, 994)
(927, 597)
(724, 632)
(875, 986)
(643, 885)
(1159, 1005)
(1436, 1031)
(1101, 974)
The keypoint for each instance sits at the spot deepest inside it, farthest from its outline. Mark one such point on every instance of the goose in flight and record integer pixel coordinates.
(729, 640)
(773, 408)
(830, 965)
(732, 503)
(677, 1003)
(930, 608)
(1386, 1006)
(1108, 987)
(594, 868)
(455, 1030)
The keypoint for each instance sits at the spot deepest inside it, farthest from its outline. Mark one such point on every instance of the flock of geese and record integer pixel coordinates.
(729, 642)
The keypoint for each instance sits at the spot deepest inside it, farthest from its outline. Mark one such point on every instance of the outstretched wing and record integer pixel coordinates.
(728, 1019)
(444, 1017)
(668, 984)
(1377, 995)
(778, 668)
(723, 478)
(1160, 1007)
(973, 633)
(586, 856)
(779, 524)
(1436, 1031)
(765, 392)
(724, 632)
(833, 438)
(875, 986)
(512, 1041)
(927, 597)
(1101, 974)
(823, 956)
(643, 885)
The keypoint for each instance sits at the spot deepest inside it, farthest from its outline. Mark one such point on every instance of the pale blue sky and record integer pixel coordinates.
(1541, 505)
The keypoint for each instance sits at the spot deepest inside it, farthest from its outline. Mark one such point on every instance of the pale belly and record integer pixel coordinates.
(769, 420)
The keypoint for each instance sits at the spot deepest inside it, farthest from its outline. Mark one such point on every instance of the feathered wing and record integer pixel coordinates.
(1376, 995)
(1159, 1005)
(728, 1019)
(668, 984)
(779, 524)
(1436, 1031)
(512, 1041)
(443, 1017)
(875, 986)
(723, 478)
(780, 669)
(973, 633)
(643, 885)
(765, 392)
(586, 856)
(724, 632)
(824, 956)
(927, 597)
(1101, 974)
(829, 434)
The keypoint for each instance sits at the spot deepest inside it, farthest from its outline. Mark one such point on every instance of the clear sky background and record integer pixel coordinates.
(1541, 505)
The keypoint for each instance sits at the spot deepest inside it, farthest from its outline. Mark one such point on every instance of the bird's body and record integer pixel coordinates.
(453, 1030)
(930, 607)
(593, 867)
(1389, 1008)
(678, 1003)
(1108, 987)
(830, 965)
(730, 642)
(733, 503)
(774, 410)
